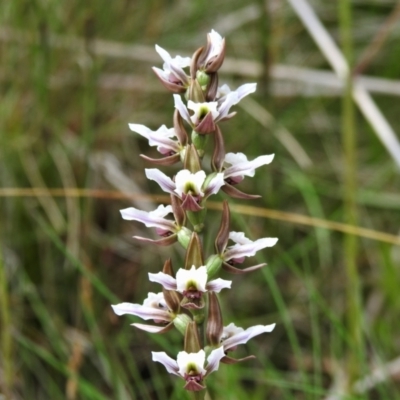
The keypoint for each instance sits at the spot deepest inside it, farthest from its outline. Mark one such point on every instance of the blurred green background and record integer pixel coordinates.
(73, 74)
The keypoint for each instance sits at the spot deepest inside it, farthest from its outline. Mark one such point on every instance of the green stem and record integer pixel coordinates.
(354, 316)
(6, 340)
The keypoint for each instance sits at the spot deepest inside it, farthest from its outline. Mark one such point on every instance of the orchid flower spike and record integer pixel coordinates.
(190, 366)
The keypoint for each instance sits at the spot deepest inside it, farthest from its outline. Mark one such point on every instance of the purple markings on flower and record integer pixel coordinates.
(232, 335)
(191, 283)
(245, 247)
(190, 366)
(241, 167)
(162, 138)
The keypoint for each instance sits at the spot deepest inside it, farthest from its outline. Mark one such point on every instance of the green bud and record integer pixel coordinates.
(199, 142)
(181, 321)
(203, 78)
(213, 265)
(197, 219)
(184, 235)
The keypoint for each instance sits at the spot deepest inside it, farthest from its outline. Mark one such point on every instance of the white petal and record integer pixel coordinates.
(248, 249)
(245, 90)
(239, 237)
(201, 109)
(163, 53)
(216, 44)
(167, 281)
(182, 109)
(160, 138)
(149, 328)
(194, 276)
(218, 284)
(141, 311)
(213, 359)
(170, 364)
(215, 184)
(245, 167)
(230, 330)
(184, 179)
(227, 103)
(152, 219)
(163, 180)
(191, 361)
(155, 300)
(245, 336)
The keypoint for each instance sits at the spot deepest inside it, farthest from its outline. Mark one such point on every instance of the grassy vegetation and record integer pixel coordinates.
(72, 75)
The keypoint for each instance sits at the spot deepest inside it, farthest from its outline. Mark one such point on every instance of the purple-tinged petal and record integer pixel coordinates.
(214, 184)
(213, 359)
(167, 281)
(165, 161)
(165, 241)
(240, 271)
(141, 311)
(160, 138)
(218, 284)
(246, 335)
(163, 180)
(248, 249)
(244, 90)
(152, 219)
(237, 194)
(154, 328)
(183, 111)
(231, 360)
(229, 101)
(241, 168)
(169, 363)
(190, 204)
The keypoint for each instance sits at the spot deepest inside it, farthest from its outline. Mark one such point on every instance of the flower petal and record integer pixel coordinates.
(240, 167)
(218, 284)
(213, 359)
(183, 111)
(154, 328)
(141, 311)
(169, 363)
(248, 249)
(152, 219)
(189, 362)
(163, 180)
(167, 281)
(215, 184)
(246, 335)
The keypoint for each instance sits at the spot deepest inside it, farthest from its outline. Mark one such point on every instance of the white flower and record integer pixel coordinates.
(201, 110)
(240, 166)
(245, 247)
(162, 138)
(190, 366)
(172, 73)
(232, 335)
(187, 186)
(188, 183)
(216, 45)
(154, 307)
(190, 283)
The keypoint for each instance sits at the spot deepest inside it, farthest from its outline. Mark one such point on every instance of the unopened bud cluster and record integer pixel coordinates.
(200, 106)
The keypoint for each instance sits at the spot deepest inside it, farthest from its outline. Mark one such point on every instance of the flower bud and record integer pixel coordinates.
(199, 142)
(184, 235)
(213, 265)
(203, 78)
(181, 322)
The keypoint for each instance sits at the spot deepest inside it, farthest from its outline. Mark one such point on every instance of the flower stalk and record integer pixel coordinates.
(189, 298)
